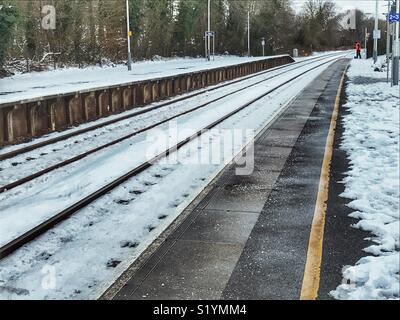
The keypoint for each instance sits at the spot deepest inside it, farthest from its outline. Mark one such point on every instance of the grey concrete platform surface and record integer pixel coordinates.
(246, 237)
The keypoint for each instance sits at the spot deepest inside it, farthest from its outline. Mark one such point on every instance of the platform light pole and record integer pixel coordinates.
(388, 42)
(263, 46)
(396, 49)
(209, 32)
(367, 34)
(248, 33)
(129, 34)
(376, 30)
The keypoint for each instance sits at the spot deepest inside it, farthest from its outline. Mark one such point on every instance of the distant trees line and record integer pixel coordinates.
(88, 31)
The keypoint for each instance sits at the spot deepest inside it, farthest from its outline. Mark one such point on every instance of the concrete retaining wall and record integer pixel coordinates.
(23, 120)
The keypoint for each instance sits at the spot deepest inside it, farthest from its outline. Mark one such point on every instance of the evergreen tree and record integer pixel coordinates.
(31, 30)
(136, 15)
(236, 28)
(88, 31)
(270, 22)
(8, 18)
(157, 27)
(189, 34)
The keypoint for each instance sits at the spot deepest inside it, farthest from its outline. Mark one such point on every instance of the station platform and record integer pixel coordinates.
(59, 104)
(247, 237)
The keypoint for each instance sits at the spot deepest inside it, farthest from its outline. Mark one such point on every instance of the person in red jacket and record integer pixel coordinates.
(358, 50)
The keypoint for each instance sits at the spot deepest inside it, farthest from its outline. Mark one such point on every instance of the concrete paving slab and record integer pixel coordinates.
(275, 138)
(261, 149)
(266, 163)
(168, 291)
(221, 227)
(244, 193)
(193, 269)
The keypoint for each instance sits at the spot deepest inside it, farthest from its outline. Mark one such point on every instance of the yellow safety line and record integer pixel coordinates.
(311, 280)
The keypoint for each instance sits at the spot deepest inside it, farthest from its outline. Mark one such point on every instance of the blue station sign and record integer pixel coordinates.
(394, 17)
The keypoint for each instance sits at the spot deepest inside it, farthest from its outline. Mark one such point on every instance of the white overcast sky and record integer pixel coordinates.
(368, 6)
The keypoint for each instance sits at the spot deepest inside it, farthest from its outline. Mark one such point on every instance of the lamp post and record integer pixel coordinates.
(263, 46)
(388, 42)
(129, 34)
(396, 49)
(367, 35)
(209, 32)
(375, 55)
(248, 33)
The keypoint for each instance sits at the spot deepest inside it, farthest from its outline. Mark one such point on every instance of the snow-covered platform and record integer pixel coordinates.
(247, 237)
(36, 104)
(34, 85)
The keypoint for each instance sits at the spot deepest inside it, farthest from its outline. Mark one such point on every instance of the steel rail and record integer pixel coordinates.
(64, 163)
(47, 225)
(66, 136)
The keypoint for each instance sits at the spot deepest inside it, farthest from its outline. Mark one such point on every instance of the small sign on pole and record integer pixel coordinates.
(377, 34)
(209, 35)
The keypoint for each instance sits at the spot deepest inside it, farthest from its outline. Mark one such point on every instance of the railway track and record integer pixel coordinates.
(47, 225)
(17, 152)
(83, 155)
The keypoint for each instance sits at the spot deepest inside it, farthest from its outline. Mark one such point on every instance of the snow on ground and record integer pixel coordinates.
(371, 140)
(6, 149)
(37, 84)
(49, 194)
(85, 254)
(39, 159)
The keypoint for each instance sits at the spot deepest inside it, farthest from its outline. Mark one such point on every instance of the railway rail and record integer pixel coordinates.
(66, 162)
(31, 147)
(50, 223)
